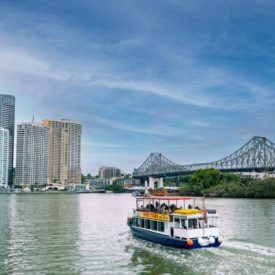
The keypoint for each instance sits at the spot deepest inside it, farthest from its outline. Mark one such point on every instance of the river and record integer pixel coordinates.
(87, 234)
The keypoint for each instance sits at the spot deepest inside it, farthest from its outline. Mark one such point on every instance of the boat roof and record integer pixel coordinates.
(166, 198)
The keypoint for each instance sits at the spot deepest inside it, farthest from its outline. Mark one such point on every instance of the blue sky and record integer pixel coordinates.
(191, 79)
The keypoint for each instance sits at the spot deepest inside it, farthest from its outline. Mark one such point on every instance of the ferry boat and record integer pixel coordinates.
(182, 222)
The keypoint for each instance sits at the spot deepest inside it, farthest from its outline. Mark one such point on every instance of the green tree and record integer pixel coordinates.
(116, 188)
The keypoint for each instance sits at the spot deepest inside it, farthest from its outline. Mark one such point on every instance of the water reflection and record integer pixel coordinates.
(146, 262)
(246, 220)
(5, 232)
(40, 237)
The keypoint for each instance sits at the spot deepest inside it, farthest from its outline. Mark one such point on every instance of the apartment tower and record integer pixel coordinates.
(4, 157)
(7, 116)
(32, 154)
(109, 172)
(64, 151)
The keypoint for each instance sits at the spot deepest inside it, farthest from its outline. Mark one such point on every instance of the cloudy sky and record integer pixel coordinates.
(191, 79)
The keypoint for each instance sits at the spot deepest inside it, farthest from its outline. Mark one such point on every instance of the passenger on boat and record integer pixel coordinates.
(157, 207)
(173, 207)
(163, 208)
(150, 207)
(190, 206)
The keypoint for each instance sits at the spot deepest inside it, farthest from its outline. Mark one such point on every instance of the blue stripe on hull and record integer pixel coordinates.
(168, 241)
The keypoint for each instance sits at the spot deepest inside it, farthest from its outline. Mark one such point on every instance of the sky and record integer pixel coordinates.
(193, 80)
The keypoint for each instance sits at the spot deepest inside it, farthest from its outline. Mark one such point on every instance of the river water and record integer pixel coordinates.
(87, 234)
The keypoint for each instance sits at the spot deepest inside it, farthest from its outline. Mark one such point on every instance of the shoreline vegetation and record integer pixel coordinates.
(208, 183)
(213, 183)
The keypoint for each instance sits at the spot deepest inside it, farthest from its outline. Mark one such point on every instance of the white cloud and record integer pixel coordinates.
(103, 144)
(17, 61)
(154, 130)
(200, 123)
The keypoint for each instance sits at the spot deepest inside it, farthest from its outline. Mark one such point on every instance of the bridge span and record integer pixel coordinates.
(258, 154)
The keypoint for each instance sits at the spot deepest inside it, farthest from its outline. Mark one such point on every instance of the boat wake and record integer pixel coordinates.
(232, 257)
(250, 248)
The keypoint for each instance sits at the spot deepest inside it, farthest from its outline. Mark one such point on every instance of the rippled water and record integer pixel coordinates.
(87, 234)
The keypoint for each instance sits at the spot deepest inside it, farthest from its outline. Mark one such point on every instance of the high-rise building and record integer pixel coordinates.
(64, 151)
(4, 157)
(109, 172)
(7, 116)
(32, 154)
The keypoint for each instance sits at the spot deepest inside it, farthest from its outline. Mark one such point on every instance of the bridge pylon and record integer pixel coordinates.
(155, 183)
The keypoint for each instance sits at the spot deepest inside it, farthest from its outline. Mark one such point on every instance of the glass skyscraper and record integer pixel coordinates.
(7, 116)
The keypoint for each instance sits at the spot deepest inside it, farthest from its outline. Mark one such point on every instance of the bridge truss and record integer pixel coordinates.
(258, 154)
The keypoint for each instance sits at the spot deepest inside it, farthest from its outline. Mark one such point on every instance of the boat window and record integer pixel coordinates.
(147, 224)
(153, 225)
(177, 223)
(142, 223)
(184, 224)
(161, 226)
(192, 223)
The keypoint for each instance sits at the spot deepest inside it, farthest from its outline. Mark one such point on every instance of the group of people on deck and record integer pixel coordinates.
(162, 208)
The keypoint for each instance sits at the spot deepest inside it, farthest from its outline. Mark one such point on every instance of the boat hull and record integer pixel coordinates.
(167, 240)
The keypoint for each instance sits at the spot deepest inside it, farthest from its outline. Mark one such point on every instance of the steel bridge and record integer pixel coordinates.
(258, 154)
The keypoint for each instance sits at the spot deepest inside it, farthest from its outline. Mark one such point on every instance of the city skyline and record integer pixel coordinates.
(140, 77)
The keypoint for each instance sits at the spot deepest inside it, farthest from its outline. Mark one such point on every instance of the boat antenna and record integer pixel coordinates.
(204, 210)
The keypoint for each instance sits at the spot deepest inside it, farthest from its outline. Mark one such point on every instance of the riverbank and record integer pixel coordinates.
(213, 183)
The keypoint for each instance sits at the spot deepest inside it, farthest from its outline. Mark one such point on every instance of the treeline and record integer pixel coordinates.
(213, 183)
(116, 188)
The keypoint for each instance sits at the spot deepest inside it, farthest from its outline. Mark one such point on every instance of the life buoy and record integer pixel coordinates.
(189, 242)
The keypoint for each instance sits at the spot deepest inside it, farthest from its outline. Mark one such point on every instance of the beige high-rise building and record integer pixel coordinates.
(64, 151)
